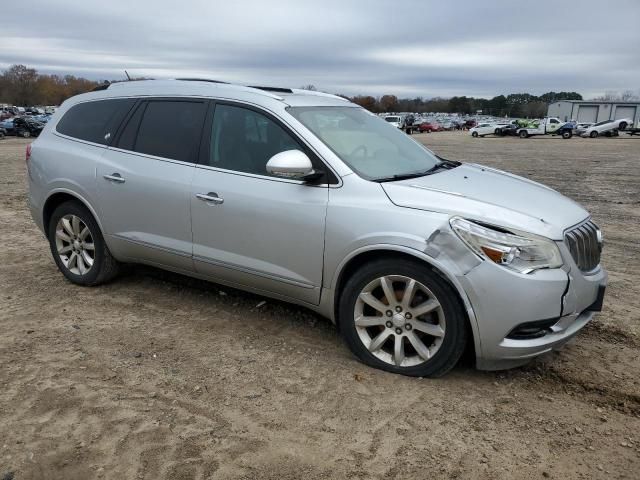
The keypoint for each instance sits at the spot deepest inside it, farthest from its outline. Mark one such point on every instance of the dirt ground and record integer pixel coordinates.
(157, 376)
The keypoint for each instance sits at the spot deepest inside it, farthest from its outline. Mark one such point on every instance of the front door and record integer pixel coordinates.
(250, 228)
(144, 182)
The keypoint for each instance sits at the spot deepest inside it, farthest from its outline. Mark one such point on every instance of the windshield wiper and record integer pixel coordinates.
(403, 176)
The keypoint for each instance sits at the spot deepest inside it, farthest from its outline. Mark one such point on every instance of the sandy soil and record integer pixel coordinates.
(157, 376)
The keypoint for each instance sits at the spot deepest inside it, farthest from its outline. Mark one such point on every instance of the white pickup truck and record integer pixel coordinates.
(542, 127)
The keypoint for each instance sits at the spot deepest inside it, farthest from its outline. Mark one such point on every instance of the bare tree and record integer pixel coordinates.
(613, 96)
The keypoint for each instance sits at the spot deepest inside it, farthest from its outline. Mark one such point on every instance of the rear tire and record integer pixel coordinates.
(25, 134)
(566, 134)
(623, 125)
(523, 134)
(474, 134)
(81, 255)
(387, 341)
(593, 134)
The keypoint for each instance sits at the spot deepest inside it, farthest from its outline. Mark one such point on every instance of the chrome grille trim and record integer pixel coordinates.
(584, 245)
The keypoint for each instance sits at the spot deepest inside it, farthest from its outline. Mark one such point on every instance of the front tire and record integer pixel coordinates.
(593, 134)
(623, 126)
(523, 134)
(474, 134)
(399, 316)
(78, 247)
(566, 134)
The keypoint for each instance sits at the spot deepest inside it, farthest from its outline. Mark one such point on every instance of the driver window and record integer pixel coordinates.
(244, 140)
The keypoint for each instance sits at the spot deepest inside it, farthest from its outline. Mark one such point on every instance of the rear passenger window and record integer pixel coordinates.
(127, 138)
(244, 140)
(94, 121)
(168, 129)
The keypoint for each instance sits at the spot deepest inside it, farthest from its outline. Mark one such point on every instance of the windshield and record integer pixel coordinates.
(370, 147)
(392, 119)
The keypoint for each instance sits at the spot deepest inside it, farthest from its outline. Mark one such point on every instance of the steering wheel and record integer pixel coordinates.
(357, 149)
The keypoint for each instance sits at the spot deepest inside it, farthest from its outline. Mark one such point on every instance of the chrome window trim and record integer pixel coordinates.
(298, 137)
(153, 157)
(261, 177)
(79, 140)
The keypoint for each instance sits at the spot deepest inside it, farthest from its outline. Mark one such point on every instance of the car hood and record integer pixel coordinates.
(491, 196)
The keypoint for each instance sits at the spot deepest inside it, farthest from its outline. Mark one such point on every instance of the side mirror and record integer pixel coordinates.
(292, 164)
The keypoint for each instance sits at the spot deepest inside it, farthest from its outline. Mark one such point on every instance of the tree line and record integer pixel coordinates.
(23, 86)
(512, 105)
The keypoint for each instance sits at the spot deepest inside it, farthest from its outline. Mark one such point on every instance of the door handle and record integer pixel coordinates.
(116, 177)
(211, 197)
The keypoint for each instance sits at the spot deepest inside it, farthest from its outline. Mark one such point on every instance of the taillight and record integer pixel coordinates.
(27, 154)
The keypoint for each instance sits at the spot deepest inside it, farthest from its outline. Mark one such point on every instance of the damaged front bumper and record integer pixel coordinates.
(522, 316)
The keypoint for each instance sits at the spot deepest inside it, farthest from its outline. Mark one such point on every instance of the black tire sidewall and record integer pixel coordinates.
(85, 215)
(455, 332)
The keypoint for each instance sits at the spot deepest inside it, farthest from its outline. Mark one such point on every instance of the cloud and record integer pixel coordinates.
(412, 48)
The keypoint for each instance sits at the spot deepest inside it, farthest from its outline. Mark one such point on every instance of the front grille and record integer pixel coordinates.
(585, 244)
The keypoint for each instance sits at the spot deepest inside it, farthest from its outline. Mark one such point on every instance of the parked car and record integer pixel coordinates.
(510, 129)
(487, 129)
(308, 198)
(409, 124)
(582, 127)
(394, 120)
(27, 127)
(428, 127)
(566, 130)
(8, 127)
(610, 127)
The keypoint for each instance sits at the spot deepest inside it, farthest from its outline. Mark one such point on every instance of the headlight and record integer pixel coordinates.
(523, 252)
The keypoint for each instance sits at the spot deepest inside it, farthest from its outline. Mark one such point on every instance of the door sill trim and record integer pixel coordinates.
(253, 272)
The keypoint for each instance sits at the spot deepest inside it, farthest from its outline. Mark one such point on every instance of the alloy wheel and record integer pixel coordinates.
(399, 320)
(74, 244)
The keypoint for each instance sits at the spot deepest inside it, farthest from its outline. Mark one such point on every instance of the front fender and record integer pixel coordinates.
(435, 252)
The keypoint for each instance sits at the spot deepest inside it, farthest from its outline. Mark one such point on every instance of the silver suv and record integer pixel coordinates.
(308, 198)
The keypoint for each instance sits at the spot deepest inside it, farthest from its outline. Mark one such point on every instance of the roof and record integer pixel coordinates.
(599, 102)
(213, 88)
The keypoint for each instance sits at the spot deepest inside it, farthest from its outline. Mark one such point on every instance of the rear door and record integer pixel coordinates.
(486, 129)
(250, 228)
(144, 182)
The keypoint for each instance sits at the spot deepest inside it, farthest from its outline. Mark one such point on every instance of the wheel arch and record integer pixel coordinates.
(58, 197)
(351, 263)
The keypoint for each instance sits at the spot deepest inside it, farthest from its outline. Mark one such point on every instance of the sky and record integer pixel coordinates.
(407, 48)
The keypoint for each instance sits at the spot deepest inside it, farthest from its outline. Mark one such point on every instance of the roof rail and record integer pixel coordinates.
(302, 91)
(201, 80)
(272, 89)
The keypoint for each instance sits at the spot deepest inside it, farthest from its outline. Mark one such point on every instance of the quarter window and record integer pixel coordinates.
(244, 140)
(166, 128)
(94, 121)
